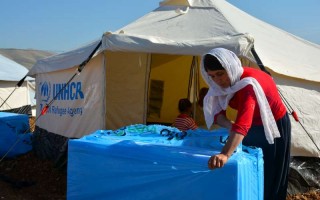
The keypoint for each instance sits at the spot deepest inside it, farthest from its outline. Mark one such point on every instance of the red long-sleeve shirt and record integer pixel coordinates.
(245, 102)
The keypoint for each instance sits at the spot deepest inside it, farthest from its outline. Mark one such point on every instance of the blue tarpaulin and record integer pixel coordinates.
(15, 137)
(159, 162)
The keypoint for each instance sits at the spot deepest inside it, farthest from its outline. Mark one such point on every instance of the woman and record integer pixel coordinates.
(184, 121)
(261, 121)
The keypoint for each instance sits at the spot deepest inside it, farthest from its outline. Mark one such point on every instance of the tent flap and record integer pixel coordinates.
(63, 61)
(240, 44)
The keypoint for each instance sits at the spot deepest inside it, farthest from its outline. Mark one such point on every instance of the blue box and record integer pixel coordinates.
(146, 165)
(15, 137)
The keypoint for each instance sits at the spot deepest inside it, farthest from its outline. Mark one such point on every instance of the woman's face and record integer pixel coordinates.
(220, 77)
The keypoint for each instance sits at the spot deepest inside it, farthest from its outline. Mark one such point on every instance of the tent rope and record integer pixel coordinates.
(5, 103)
(8, 97)
(18, 85)
(45, 108)
(289, 107)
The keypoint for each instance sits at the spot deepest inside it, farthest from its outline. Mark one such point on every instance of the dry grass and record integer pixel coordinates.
(32, 123)
(311, 195)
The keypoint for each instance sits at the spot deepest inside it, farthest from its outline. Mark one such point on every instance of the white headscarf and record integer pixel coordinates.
(218, 98)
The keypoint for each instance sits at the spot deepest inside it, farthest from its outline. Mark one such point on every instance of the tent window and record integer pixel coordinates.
(155, 98)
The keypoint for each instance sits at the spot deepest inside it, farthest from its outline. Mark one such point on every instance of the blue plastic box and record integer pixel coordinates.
(15, 137)
(146, 165)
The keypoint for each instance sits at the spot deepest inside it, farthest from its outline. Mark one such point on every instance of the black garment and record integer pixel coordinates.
(276, 158)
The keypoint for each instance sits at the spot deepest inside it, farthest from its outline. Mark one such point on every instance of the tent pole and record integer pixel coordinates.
(259, 62)
(193, 84)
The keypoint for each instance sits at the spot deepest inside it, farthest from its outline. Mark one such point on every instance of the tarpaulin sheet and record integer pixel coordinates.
(145, 162)
(15, 136)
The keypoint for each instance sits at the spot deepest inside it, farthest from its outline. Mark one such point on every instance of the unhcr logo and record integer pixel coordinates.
(61, 91)
(45, 91)
(72, 91)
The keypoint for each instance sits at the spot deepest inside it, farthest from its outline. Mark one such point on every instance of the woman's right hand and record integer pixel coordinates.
(217, 161)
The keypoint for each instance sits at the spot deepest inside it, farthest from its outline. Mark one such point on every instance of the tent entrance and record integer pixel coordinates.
(172, 77)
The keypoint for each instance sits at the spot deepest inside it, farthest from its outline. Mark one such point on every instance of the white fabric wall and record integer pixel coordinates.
(81, 110)
(304, 98)
(20, 97)
(126, 92)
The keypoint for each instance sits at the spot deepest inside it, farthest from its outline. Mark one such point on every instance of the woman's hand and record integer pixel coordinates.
(217, 161)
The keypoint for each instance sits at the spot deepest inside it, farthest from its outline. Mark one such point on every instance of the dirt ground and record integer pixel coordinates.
(29, 178)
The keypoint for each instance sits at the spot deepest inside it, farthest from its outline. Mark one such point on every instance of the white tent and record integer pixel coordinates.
(10, 74)
(140, 71)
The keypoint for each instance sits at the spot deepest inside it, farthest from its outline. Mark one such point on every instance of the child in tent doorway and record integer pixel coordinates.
(184, 120)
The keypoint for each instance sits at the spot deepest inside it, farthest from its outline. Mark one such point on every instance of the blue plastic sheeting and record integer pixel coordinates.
(144, 162)
(15, 137)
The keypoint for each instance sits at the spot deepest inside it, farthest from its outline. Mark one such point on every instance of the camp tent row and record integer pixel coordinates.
(12, 97)
(141, 70)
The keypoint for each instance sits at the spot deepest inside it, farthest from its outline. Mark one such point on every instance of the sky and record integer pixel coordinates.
(62, 25)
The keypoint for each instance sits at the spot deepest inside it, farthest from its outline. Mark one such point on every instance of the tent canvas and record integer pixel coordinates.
(161, 52)
(11, 73)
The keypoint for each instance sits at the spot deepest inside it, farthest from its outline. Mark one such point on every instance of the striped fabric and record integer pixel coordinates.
(184, 122)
